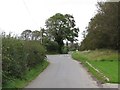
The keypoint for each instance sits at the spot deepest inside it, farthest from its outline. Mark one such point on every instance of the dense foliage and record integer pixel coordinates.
(61, 27)
(102, 31)
(19, 56)
(51, 46)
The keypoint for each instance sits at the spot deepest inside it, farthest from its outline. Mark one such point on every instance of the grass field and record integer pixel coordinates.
(106, 61)
(28, 77)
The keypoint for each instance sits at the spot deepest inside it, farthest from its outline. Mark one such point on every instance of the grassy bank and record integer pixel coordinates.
(106, 61)
(28, 77)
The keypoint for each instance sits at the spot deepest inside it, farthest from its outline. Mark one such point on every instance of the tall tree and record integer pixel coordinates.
(103, 28)
(26, 35)
(61, 27)
(36, 35)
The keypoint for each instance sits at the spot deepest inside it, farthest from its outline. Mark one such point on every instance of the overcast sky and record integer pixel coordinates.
(19, 15)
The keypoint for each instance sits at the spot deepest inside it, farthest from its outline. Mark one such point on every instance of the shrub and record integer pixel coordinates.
(35, 53)
(13, 63)
(52, 46)
(19, 56)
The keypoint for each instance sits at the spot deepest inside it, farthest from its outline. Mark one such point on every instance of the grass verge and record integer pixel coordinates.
(106, 61)
(28, 77)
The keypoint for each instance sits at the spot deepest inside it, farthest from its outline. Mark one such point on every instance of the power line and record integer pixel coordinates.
(29, 11)
(32, 17)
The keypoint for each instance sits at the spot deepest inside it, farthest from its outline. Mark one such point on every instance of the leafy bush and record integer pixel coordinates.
(35, 53)
(51, 46)
(12, 59)
(19, 56)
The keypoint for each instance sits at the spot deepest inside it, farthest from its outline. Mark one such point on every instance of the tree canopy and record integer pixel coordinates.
(61, 27)
(102, 31)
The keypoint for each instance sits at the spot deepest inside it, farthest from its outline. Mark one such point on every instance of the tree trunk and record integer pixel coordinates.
(61, 44)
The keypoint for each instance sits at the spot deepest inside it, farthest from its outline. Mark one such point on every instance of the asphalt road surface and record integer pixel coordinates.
(63, 72)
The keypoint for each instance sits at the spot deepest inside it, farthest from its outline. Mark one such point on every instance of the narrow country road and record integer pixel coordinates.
(63, 72)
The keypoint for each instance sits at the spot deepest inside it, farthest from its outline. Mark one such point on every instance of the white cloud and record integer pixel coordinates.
(18, 15)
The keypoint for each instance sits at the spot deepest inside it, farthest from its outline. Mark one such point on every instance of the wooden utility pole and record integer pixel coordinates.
(41, 34)
(41, 30)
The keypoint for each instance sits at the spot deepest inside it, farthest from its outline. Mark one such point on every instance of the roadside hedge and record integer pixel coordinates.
(18, 56)
(51, 47)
